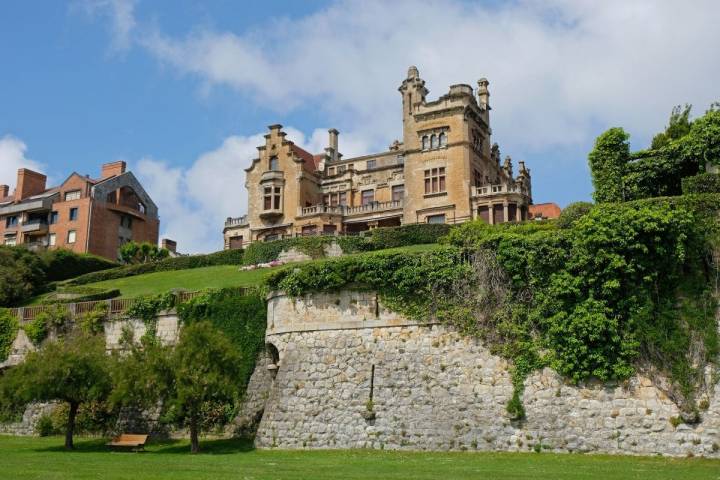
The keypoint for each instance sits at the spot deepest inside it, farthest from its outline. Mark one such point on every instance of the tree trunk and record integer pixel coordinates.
(70, 429)
(194, 442)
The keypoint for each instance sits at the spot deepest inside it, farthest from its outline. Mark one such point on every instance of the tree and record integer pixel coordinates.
(146, 252)
(678, 126)
(205, 369)
(75, 370)
(608, 161)
(21, 275)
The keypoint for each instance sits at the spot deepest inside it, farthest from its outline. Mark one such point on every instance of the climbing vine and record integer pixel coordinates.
(8, 332)
(596, 299)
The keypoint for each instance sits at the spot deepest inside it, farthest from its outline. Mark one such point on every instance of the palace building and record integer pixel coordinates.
(445, 170)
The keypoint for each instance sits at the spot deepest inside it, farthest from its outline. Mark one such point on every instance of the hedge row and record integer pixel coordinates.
(63, 264)
(224, 257)
(702, 183)
(87, 294)
(377, 239)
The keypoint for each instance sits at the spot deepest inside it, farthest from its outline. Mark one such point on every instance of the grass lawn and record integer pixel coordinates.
(202, 278)
(44, 458)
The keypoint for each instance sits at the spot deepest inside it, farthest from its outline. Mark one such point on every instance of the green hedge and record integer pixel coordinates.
(392, 237)
(63, 264)
(702, 183)
(87, 294)
(224, 257)
(377, 239)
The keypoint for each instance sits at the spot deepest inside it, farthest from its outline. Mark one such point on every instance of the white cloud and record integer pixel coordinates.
(122, 17)
(560, 70)
(195, 202)
(12, 157)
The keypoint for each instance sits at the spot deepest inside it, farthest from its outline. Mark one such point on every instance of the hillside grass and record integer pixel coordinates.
(201, 278)
(44, 458)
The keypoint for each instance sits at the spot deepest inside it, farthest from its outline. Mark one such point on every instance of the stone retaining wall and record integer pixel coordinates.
(436, 390)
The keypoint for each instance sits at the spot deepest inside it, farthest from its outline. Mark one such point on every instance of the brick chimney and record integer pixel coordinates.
(4, 191)
(29, 183)
(170, 245)
(113, 169)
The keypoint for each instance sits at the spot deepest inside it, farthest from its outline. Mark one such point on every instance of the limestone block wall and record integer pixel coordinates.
(433, 389)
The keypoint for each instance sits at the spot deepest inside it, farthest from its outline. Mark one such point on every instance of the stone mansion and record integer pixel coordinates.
(445, 170)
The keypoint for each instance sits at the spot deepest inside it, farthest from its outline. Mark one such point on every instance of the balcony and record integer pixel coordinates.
(34, 226)
(29, 205)
(271, 175)
(374, 207)
(39, 246)
(271, 214)
(236, 221)
(490, 190)
(320, 209)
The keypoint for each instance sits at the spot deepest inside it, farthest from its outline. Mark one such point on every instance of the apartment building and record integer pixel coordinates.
(81, 214)
(445, 170)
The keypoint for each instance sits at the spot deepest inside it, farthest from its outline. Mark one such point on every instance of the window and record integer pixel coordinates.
(11, 241)
(443, 139)
(398, 191)
(343, 198)
(435, 180)
(334, 199)
(371, 164)
(74, 195)
(368, 196)
(273, 164)
(51, 239)
(341, 169)
(271, 199)
(433, 141)
(400, 160)
(53, 218)
(73, 213)
(477, 178)
(425, 142)
(331, 171)
(270, 238)
(71, 236)
(11, 221)
(351, 166)
(436, 218)
(126, 221)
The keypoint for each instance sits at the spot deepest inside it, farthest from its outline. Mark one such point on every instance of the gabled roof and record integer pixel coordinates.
(545, 210)
(311, 162)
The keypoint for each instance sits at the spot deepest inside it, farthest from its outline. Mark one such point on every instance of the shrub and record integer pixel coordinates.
(22, 275)
(44, 426)
(8, 330)
(93, 321)
(392, 237)
(146, 252)
(53, 317)
(702, 183)
(572, 213)
(63, 264)
(224, 257)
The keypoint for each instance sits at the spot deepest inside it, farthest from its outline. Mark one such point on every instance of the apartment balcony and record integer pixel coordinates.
(30, 205)
(321, 209)
(492, 190)
(39, 246)
(34, 226)
(236, 221)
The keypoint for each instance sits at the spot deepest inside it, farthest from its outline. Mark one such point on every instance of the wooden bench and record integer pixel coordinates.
(127, 440)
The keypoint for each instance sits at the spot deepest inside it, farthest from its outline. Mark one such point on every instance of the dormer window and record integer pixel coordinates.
(273, 164)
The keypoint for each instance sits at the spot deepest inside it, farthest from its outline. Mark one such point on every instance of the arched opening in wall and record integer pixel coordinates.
(273, 358)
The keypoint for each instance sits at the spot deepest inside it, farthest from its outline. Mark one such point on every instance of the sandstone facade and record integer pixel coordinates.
(445, 170)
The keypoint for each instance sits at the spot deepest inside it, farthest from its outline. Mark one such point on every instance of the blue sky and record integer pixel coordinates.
(184, 92)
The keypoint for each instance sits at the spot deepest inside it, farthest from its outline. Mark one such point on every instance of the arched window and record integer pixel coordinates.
(434, 141)
(274, 164)
(443, 139)
(425, 142)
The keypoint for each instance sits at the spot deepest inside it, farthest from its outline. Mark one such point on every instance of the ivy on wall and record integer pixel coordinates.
(8, 332)
(593, 300)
